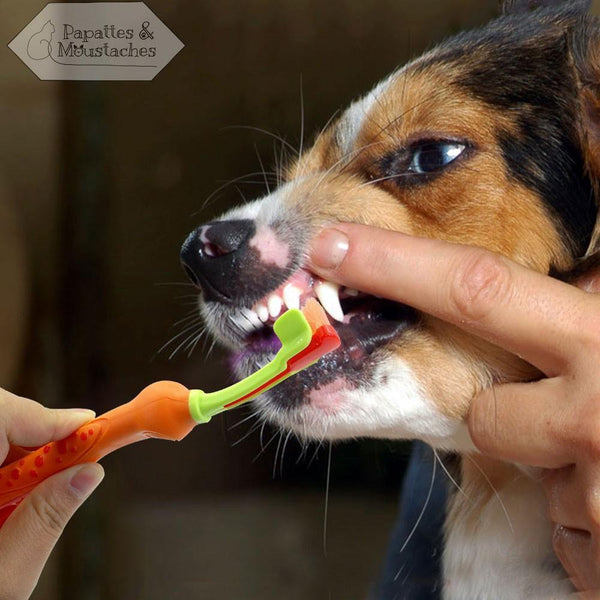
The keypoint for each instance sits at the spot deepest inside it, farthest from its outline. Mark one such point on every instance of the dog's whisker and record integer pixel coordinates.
(194, 342)
(165, 283)
(422, 513)
(262, 167)
(177, 336)
(315, 453)
(193, 316)
(262, 431)
(211, 347)
(274, 473)
(244, 420)
(301, 148)
(287, 439)
(266, 132)
(250, 431)
(495, 491)
(454, 482)
(185, 340)
(343, 158)
(327, 488)
(223, 186)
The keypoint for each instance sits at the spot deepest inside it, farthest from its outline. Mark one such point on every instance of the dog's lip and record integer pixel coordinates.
(369, 322)
(301, 285)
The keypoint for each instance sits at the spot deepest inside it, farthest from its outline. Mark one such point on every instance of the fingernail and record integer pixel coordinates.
(329, 248)
(80, 413)
(86, 479)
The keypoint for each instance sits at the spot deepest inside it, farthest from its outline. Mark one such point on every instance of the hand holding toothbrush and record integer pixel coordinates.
(29, 535)
(45, 484)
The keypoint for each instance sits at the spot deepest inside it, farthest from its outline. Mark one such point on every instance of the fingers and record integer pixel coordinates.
(506, 422)
(30, 533)
(480, 291)
(574, 497)
(27, 423)
(575, 551)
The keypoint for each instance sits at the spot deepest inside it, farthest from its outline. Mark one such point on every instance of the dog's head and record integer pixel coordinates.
(490, 139)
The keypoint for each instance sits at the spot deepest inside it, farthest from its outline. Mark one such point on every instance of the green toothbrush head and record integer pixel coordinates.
(294, 333)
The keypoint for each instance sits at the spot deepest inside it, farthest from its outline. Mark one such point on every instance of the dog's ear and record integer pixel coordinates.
(525, 6)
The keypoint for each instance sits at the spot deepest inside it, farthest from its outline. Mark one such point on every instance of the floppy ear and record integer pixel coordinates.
(524, 6)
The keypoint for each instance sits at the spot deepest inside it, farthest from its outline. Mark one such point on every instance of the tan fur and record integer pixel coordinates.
(475, 204)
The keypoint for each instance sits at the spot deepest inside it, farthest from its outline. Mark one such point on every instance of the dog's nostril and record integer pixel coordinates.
(212, 254)
(191, 275)
(214, 251)
(224, 237)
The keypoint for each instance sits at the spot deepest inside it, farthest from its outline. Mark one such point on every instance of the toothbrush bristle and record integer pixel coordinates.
(314, 314)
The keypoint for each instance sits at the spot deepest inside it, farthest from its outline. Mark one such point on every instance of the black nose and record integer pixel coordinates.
(213, 254)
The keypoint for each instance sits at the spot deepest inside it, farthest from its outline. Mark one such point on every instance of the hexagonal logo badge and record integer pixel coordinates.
(101, 41)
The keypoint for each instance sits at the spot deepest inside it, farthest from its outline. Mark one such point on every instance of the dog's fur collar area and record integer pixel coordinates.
(498, 540)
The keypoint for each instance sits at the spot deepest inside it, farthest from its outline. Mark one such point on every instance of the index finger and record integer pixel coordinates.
(539, 318)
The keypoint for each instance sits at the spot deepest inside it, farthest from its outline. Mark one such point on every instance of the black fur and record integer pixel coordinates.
(522, 65)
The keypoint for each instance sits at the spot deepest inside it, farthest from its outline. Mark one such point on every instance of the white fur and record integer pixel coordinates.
(506, 552)
(354, 116)
(396, 409)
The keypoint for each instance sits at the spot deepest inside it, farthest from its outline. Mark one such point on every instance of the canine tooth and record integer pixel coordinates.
(351, 291)
(263, 312)
(291, 296)
(328, 295)
(274, 303)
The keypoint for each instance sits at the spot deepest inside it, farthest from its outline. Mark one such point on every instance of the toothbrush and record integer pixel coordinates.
(168, 410)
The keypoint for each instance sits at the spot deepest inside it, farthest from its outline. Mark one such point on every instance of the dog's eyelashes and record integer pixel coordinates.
(434, 156)
(421, 160)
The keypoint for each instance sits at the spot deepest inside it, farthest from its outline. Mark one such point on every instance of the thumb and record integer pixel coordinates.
(522, 422)
(31, 532)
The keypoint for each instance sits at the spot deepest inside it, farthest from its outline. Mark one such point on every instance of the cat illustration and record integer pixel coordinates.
(38, 46)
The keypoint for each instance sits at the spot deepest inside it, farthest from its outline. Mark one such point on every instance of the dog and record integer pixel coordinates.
(490, 139)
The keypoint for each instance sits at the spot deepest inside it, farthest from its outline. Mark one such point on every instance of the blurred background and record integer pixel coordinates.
(99, 185)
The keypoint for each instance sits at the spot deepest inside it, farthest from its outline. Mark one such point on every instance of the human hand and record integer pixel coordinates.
(553, 423)
(30, 533)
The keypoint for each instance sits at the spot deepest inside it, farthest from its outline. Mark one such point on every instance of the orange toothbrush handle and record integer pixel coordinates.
(161, 410)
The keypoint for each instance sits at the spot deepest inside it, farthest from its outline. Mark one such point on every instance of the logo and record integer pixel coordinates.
(101, 41)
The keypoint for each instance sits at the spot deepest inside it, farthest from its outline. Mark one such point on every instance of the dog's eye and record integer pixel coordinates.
(431, 157)
(420, 161)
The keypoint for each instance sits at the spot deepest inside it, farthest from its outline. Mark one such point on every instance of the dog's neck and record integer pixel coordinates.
(498, 536)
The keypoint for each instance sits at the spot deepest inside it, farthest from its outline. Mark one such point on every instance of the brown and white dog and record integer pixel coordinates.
(491, 139)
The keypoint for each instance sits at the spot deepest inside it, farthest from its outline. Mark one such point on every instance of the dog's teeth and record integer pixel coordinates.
(351, 291)
(274, 303)
(328, 295)
(263, 312)
(291, 296)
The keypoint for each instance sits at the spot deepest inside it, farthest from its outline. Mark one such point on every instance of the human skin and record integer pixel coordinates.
(552, 325)
(32, 530)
